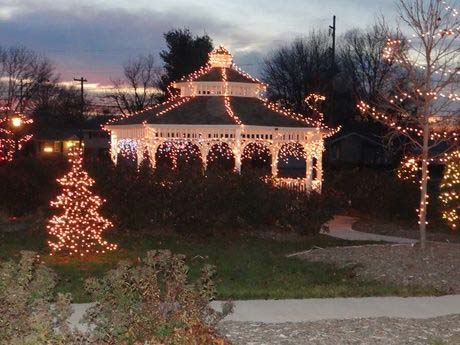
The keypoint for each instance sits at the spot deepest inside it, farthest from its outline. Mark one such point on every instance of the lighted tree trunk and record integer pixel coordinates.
(421, 105)
(424, 187)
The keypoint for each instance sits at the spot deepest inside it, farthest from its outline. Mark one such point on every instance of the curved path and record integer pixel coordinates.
(315, 309)
(341, 227)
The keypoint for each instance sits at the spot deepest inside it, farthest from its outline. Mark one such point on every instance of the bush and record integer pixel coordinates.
(29, 184)
(306, 213)
(154, 303)
(376, 193)
(194, 203)
(26, 313)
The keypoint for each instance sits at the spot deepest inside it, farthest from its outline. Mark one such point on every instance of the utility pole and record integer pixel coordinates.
(22, 86)
(82, 81)
(332, 32)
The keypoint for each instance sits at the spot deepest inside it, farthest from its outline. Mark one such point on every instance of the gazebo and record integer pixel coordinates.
(219, 110)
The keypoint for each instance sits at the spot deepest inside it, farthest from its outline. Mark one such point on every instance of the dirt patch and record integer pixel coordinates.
(438, 266)
(381, 331)
(406, 231)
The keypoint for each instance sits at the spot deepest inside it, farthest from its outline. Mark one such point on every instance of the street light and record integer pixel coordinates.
(16, 122)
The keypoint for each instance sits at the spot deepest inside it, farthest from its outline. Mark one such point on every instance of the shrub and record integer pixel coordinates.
(154, 303)
(306, 213)
(377, 193)
(28, 184)
(26, 313)
(220, 200)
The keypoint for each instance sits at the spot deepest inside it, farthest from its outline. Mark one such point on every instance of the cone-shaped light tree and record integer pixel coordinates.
(450, 190)
(78, 228)
(423, 106)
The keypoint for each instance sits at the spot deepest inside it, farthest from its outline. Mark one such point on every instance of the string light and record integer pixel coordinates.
(449, 194)
(228, 107)
(78, 229)
(404, 122)
(11, 133)
(408, 169)
(236, 147)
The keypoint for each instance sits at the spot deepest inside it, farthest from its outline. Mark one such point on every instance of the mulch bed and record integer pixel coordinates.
(438, 266)
(379, 331)
(398, 230)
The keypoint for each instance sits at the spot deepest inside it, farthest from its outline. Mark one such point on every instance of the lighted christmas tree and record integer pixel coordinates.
(450, 190)
(78, 229)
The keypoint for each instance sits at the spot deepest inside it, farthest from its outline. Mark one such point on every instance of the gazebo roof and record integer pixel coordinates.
(219, 94)
(211, 110)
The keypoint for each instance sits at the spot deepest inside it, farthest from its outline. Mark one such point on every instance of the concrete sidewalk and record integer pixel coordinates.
(281, 311)
(341, 227)
(305, 310)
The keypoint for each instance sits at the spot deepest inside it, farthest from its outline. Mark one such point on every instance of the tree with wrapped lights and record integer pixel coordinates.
(422, 107)
(13, 134)
(449, 194)
(77, 229)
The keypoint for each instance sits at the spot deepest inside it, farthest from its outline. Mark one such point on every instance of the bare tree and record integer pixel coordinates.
(22, 72)
(422, 106)
(298, 69)
(361, 58)
(139, 88)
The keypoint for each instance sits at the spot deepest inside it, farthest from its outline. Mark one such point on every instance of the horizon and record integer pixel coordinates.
(91, 39)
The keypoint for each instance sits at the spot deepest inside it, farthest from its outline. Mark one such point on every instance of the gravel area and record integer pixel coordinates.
(438, 266)
(398, 230)
(381, 331)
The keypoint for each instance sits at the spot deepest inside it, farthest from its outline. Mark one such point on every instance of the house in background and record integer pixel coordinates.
(58, 141)
(356, 149)
(96, 141)
(54, 141)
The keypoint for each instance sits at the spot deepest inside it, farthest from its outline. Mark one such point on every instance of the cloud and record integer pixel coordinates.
(93, 38)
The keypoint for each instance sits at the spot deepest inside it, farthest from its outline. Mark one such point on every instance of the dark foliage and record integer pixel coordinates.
(376, 193)
(191, 202)
(28, 184)
(185, 54)
(187, 201)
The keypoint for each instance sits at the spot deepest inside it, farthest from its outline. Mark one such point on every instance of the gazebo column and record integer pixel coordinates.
(152, 151)
(114, 148)
(237, 150)
(308, 165)
(319, 172)
(204, 157)
(274, 165)
(140, 153)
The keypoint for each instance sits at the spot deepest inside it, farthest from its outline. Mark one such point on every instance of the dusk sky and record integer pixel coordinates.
(93, 38)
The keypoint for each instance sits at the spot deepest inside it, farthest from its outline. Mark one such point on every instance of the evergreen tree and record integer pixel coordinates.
(185, 54)
(450, 190)
(78, 229)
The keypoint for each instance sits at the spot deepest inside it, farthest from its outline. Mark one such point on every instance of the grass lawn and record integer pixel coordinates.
(248, 267)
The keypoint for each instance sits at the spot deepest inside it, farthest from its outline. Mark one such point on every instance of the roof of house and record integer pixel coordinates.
(211, 110)
(50, 133)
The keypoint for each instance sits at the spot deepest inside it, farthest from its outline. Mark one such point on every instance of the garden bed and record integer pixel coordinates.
(379, 331)
(438, 266)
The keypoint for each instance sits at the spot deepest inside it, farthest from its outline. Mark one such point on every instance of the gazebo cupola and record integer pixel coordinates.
(220, 112)
(221, 57)
(220, 77)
